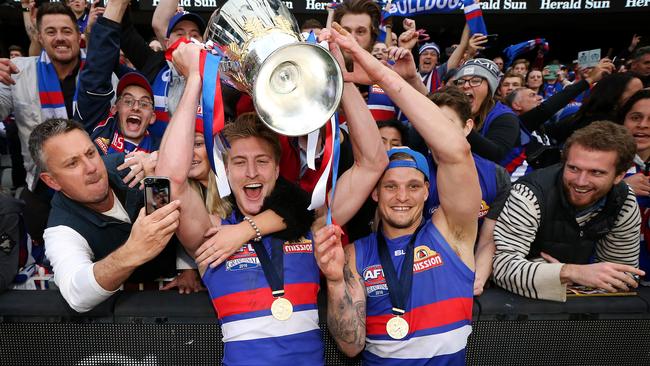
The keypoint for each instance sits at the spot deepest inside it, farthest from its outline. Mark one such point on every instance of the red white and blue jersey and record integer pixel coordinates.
(242, 298)
(380, 105)
(439, 310)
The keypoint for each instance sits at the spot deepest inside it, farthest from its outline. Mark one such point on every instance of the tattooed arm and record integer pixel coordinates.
(346, 298)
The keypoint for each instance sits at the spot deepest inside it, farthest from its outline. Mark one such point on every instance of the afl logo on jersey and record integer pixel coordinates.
(373, 278)
(485, 208)
(425, 258)
(244, 258)
(302, 245)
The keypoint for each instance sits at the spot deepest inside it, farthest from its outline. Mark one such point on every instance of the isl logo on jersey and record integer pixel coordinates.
(373, 278)
(244, 258)
(425, 258)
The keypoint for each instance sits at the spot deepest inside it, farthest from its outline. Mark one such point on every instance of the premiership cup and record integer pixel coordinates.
(296, 86)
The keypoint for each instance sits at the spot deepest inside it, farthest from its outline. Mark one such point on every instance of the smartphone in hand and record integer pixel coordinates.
(156, 193)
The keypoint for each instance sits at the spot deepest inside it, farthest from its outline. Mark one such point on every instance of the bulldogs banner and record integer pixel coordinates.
(407, 8)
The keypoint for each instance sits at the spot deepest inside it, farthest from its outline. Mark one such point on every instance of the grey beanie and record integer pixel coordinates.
(481, 67)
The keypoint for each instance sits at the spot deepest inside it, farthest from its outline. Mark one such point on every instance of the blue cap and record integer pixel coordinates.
(429, 46)
(185, 15)
(419, 162)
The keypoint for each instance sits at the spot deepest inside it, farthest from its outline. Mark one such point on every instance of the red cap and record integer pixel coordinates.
(133, 78)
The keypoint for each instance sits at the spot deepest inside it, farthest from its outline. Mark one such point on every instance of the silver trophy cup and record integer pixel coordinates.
(296, 86)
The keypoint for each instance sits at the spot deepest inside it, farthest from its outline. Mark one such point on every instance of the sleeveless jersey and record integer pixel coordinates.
(486, 177)
(242, 298)
(439, 310)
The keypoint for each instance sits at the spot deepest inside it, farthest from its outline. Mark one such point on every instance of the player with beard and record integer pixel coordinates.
(375, 286)
(98, 237)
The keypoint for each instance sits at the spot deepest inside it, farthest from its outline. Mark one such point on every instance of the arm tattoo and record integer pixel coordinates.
(347, 321)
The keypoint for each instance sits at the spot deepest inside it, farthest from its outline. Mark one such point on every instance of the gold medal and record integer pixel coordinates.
(281, 309)
(397, 327)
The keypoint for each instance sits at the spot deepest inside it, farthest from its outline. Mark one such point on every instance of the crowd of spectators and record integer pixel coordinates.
(529, 176)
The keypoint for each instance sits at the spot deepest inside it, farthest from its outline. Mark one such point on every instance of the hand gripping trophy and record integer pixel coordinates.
(296, 86)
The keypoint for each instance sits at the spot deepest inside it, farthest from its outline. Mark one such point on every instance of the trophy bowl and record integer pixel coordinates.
(296, 86)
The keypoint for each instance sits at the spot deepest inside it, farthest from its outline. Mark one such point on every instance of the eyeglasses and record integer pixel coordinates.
(142, 103)
(473, 82)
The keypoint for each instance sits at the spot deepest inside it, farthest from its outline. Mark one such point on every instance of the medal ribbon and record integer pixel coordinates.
(399, 290)
(273, 266)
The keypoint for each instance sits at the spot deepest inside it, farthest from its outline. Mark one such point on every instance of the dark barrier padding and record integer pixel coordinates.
(560, 342)
(163, 307)
(499, 304)
(165, 328)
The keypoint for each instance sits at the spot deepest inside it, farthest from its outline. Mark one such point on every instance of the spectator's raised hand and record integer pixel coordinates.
(476, 43)
(141, 165)
(640, 184)
(95, 11)
(408, 39)
(187, 281)
(151, 233)
(404, 63)
(186, 58)
(7, 68)
(635, 42)
(329, 254)
(603, 68)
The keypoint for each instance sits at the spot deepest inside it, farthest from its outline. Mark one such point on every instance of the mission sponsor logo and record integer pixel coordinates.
(303, 245)
(244, 258)
(373, 278)
(376, 89)
(425, 258)
(102, 143)
(485, 208)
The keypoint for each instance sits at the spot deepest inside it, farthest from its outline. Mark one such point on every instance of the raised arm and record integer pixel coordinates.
(355, 185)
(29, 18)
(165, 10)
(95, 85)
(457, 56)
(174, 161)
(175, 153)
(457, 179)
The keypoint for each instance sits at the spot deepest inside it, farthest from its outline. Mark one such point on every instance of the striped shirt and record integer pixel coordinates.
(517, 227)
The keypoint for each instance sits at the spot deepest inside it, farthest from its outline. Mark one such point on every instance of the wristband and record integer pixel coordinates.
(26, 9)
(258, 234)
